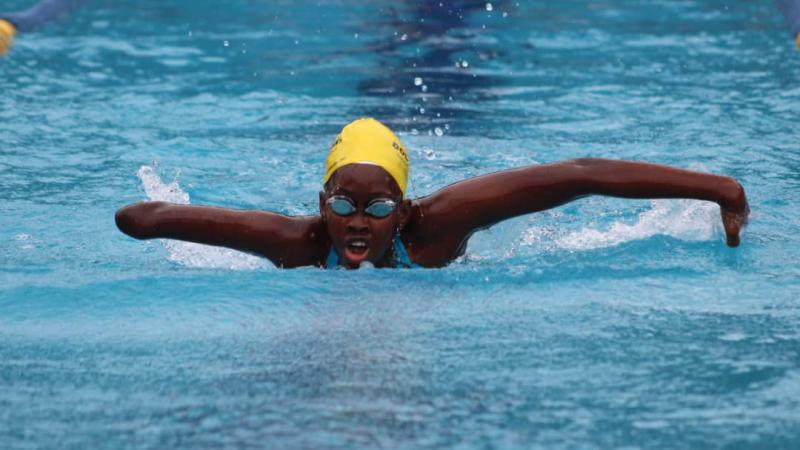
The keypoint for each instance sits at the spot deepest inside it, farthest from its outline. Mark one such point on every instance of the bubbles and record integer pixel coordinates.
(417, 81)
(438, 131)
(225, 43)
(489, 7)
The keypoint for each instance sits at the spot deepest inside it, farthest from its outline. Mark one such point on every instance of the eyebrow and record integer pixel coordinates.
(371, 196)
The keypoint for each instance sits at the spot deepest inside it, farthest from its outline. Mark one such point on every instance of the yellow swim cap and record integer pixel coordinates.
(369, 141)
(7, 32)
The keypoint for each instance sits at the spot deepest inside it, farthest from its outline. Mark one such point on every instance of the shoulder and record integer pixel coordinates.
(429, 241)
(305, 242)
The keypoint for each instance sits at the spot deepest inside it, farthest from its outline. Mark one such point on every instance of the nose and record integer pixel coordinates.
(358, 224)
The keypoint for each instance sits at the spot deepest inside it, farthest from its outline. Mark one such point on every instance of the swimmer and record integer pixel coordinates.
(364, 215)
(32, 18)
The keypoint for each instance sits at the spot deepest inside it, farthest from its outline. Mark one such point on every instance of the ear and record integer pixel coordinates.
(323, 197)
(404, 212)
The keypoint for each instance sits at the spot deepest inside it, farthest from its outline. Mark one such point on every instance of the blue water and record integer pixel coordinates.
(605, 323)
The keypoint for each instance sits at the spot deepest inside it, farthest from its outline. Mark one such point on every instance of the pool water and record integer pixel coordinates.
(603, 323)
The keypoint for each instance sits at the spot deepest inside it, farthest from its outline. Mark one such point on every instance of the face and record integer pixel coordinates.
(360, 237)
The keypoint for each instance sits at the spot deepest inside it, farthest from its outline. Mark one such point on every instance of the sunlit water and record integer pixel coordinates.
(604, 323)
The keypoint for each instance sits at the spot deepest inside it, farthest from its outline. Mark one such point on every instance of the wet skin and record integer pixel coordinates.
(435, 229)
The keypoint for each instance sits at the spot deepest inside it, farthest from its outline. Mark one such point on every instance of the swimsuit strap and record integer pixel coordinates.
(400, 256)
(332, 261)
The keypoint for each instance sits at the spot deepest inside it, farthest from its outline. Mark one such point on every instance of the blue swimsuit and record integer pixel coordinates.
(401, 258)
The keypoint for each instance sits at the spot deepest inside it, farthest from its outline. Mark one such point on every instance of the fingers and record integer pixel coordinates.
(733, 225)
(733, 240)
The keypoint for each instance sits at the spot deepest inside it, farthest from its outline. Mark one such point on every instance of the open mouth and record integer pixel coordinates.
(356, 250)
(357, 246)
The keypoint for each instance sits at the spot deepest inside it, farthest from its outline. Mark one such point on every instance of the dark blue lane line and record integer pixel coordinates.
(41, 14)
(791, 10)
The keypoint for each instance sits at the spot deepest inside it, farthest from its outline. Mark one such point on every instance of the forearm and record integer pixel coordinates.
(201, 224)
(630, 179)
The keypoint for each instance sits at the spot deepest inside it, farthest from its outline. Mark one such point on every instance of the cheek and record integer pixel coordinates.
(336, 229)
(385, 229)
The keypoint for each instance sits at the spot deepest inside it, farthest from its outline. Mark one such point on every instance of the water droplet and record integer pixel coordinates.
(489, 7)
(414, 131)
(424, 88)
(417, 81)
(403, 37)
(438, 131)
(422, 110)
(505, 14)
(225, 43)
(464, 64)
(355, 35)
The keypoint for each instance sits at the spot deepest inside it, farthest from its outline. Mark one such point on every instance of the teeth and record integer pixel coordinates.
(358, 244)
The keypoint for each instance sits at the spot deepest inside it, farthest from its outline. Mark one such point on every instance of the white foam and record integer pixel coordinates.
(689, 220)
(187, 253)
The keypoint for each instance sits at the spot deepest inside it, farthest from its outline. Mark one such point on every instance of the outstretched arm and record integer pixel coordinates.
(477, 203)
(286, 241)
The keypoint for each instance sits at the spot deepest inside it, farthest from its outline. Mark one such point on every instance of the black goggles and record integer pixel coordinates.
(378, 208)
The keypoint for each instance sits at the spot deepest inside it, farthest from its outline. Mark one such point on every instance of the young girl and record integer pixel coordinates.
(365, 217)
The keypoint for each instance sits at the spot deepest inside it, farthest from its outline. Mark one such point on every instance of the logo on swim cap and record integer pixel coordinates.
(369, 141)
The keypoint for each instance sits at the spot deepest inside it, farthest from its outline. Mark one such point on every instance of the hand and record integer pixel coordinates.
(7, 32)
(735, 212)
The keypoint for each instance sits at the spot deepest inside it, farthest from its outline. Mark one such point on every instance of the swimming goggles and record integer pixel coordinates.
(378, 208)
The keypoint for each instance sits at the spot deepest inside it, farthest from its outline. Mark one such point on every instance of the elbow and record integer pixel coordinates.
(137, 220)
(733, 195)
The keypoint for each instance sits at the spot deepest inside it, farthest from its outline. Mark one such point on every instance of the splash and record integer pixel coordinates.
(187, 253)
(689, 220)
